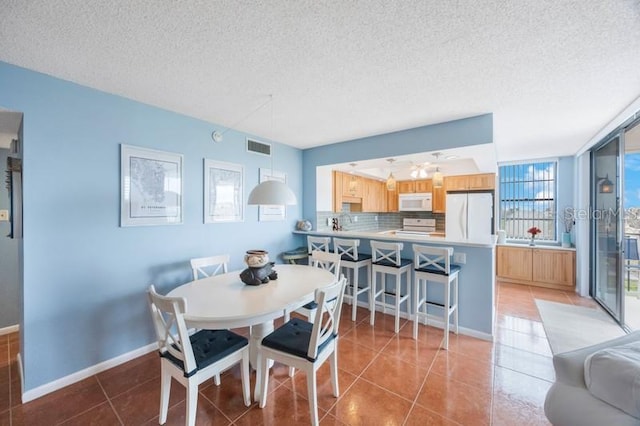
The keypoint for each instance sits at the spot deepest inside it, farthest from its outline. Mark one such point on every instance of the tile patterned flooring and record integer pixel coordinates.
(385, 379)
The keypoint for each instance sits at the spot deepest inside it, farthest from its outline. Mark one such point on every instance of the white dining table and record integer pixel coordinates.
(224, 301)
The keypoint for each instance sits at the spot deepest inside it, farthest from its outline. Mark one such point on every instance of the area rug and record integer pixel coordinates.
(570, 327)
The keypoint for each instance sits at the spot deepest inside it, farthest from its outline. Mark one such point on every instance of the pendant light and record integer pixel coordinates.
(391, 180)
(437, 179)
(353, 182)
(272, 192)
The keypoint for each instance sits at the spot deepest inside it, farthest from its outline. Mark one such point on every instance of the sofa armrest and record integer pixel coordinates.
(569, 366)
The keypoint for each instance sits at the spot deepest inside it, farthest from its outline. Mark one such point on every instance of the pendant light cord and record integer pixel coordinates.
(250, 114)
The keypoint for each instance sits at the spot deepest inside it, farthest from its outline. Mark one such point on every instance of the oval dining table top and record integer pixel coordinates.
(225, 298)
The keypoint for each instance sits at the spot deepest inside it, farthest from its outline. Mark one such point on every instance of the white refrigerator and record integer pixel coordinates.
(469, 215)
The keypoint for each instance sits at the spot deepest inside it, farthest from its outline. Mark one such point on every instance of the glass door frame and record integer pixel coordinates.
(618, 214)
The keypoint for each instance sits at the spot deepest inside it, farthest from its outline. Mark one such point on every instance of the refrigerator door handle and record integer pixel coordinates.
(463, 209)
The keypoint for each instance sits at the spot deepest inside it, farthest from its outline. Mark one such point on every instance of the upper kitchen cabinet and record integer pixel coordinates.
(438, 200)
(392, 200)
(482, 181)
(411, 186)
(347, 190)
(352, 185)
(374, 199)
(475, 182)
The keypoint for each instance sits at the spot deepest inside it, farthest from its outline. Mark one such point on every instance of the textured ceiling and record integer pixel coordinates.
(552, 72)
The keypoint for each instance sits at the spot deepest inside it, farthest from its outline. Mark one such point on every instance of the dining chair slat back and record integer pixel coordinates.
(327, 261)
(209, 266)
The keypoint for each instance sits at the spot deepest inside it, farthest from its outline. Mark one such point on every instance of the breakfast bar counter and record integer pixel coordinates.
(477, 274)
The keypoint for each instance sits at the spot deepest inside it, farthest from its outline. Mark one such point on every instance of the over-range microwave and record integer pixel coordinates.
(418, 202)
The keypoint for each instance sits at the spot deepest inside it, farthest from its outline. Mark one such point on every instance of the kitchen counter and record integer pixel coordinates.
(538, 246)
(390, 235)
(477, 273)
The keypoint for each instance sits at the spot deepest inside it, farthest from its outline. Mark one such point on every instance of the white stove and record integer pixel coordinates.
(417, 227)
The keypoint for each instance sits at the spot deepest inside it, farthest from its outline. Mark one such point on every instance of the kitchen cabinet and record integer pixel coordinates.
(374, 197)
(411, 186)
(554, 267)
(480, 181)
(343, 194)
(542, 267)
(439, 199)
(352, 185)
(392, 200)
(456, 183)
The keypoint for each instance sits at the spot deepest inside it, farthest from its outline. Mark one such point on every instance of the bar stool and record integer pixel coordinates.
(386, 260)
(434, 264)
(353, 261)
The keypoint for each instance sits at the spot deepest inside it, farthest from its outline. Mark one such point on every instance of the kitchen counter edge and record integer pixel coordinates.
(378, 235)
(537, 246)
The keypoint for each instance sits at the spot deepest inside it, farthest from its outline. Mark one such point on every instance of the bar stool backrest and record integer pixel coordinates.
(437, 259)
(346, 248)
(390, 252)
(318, 243)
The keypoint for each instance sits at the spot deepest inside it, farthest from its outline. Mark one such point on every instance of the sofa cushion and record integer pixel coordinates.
(613, 375)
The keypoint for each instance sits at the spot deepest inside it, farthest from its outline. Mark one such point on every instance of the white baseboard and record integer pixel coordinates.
(9, 329)
(438, 323)
(42, 390)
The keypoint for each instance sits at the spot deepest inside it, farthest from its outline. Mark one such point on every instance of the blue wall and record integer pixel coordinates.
(9, 268)
(565, 183)
(84, 276)
(452, 134)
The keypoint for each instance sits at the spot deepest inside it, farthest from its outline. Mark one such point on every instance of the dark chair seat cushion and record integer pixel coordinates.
(361, 257)
(293, 338)
(208, 347)
(433, 270)
(385, 262)
(310, 305)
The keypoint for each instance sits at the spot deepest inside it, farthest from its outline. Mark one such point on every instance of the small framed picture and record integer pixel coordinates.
(275, 212)
(223, 192)
(150, 187)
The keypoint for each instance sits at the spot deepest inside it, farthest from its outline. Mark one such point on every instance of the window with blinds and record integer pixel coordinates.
(527, 199)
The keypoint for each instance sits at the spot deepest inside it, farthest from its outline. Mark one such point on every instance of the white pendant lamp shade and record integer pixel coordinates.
(272, 192)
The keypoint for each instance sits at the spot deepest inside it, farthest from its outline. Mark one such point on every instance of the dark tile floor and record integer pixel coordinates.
(385, 379)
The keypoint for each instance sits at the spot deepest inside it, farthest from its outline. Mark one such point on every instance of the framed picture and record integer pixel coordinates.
(271, 213)
(223, 192)
(150, 187)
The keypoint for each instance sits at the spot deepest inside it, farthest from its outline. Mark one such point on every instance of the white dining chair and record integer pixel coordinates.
(208, 266)
(204, 267)
(192, 359)
(306, 346)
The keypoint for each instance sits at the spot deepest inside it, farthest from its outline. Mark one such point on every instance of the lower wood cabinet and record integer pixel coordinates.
(542, 267)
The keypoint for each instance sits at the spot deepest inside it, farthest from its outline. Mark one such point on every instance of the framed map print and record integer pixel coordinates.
(223, 192)
(150, 187)
(275, 212)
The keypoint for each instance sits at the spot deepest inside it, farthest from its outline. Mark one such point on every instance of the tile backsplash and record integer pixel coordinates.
(358, 221)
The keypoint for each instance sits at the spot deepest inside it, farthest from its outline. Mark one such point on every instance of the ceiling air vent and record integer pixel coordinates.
(258, 147)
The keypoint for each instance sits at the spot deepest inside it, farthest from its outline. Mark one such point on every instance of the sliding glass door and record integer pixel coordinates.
(607, 226)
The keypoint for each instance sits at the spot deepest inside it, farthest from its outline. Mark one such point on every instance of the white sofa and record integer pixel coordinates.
(569, 402)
